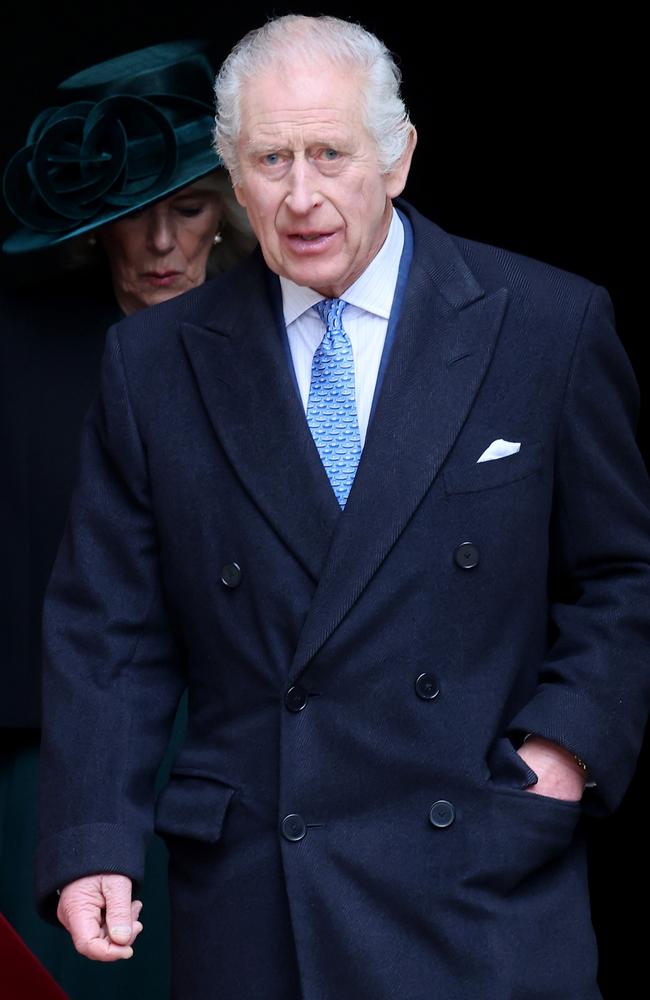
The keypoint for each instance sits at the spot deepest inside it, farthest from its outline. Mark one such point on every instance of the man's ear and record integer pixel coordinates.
(396, 178)
(239, 195)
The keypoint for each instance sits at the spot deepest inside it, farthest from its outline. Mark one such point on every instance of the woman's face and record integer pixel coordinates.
(162, 250)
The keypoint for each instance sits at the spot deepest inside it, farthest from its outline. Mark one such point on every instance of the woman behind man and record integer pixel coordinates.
(121, 183)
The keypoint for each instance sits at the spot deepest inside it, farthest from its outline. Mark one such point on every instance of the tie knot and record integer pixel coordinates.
(330, 311)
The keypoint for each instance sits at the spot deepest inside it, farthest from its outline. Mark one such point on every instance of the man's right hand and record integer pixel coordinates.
(100, 917)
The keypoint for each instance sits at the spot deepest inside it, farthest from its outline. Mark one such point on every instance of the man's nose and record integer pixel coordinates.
(161, 234)
(303, 193)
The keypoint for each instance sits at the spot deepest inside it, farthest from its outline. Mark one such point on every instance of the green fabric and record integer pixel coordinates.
(144, 977)
(124, 134)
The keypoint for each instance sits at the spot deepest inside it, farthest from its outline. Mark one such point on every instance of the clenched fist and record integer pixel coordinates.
(100, 917)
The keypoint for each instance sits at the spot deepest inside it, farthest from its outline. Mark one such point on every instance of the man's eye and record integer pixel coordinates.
(271, 159)
(330, 154)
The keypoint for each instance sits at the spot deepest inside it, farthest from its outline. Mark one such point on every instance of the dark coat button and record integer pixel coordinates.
(231, 574)
(293, 827)
(442, 814)
(466, 555)
(426, 687)
(296, 698)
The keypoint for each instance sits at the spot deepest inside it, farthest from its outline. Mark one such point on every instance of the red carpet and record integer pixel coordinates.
(22, 977)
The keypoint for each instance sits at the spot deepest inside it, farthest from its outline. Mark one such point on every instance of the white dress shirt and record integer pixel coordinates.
(365, 320)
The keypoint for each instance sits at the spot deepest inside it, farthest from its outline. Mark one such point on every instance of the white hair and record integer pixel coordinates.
(296, 37)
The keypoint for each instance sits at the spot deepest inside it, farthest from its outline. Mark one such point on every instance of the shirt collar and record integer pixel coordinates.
(373, 290)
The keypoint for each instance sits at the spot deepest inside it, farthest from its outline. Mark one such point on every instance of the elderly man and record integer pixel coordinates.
(374, 498)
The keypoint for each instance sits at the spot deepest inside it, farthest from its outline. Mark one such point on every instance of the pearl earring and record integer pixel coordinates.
(217, 238)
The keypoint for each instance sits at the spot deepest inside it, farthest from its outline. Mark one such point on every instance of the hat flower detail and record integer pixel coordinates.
(84, 156)
(123, 134)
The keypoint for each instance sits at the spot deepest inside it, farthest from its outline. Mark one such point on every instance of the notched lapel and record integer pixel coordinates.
(243, 376)
(439, 359)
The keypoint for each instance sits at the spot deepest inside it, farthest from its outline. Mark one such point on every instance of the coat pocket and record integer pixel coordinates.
(193, 805)
(517, 833)
(507, 768)
(499, 472)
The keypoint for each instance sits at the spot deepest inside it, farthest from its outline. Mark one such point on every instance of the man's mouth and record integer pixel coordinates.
(309, 242)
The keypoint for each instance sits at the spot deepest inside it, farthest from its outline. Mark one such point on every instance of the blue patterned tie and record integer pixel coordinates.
(332, 406)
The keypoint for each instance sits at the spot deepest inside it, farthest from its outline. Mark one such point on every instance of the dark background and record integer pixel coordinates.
(527, 139)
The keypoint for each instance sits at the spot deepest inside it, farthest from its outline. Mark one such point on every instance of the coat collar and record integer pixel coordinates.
(444, 341)
(244, 376)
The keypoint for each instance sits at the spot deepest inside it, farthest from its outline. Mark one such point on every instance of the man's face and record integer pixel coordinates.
(309, 177)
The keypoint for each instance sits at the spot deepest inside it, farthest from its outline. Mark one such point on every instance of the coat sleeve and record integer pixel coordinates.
(594, 688)
(112, 669)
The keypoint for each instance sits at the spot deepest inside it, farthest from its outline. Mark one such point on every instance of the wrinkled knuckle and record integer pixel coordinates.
(116, 885)
(82, 945)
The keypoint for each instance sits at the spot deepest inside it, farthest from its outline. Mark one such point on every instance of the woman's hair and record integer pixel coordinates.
(345, 45)
(237, 239)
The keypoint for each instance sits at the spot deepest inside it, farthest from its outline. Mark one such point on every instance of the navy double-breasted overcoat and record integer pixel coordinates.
(347, 819)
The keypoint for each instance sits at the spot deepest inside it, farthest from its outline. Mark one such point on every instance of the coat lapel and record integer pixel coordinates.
(442, 348)
(242, 371)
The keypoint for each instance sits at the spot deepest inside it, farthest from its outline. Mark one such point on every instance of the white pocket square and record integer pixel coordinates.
(499, 449)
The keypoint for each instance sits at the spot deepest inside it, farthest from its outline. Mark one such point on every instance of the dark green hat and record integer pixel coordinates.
(128, 132)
